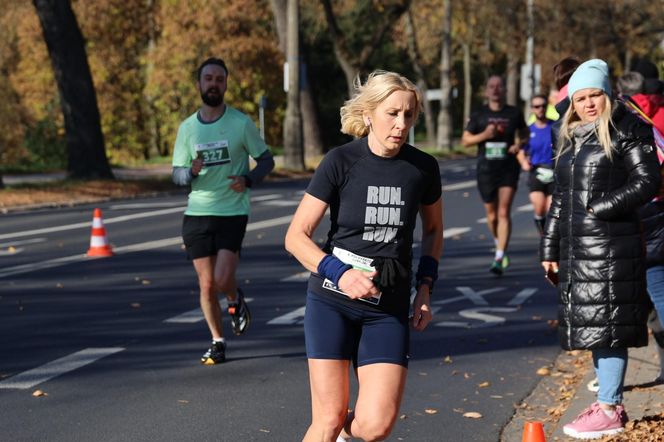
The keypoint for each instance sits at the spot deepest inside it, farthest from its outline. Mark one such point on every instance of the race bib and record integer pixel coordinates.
(213, 153)
(495, 150)
(544, 175)
(359, 263)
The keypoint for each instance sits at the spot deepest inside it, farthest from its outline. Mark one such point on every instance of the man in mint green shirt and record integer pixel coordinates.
(211, 155)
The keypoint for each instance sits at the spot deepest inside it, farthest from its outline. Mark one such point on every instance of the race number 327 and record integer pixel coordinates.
(214, 153)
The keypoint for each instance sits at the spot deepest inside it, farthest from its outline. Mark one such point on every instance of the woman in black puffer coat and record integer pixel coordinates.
(607, 167)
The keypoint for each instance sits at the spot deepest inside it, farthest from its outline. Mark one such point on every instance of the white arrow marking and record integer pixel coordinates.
(522, 296)
(476, 297)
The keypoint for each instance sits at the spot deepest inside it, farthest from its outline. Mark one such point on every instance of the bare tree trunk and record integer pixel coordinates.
(444, 141)
(352, 64)
(414, 53)
(467, 85)
(313, 140)
(512, 79)
(293, 149)
(78, 100)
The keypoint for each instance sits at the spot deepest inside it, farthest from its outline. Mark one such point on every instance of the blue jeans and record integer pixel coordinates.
(655, 277)
(610, 367)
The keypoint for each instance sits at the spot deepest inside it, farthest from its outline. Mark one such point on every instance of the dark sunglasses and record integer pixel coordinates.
(538, 106)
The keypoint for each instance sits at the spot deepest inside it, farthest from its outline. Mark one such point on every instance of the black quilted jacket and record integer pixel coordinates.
(593, 232)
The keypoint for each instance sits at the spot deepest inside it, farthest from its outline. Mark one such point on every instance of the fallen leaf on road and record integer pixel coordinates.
(421, 373)
(472, 415)
(11, 249)
(544, 371)
(430, 411)
(448, 359)
(466, 376)
(457, 410)
(135, 305)
(496, 396)
(39, 393)
(146, 282)
(183, 401)
(484, 384)
(537, 318)
(403, 416)
(263, 430)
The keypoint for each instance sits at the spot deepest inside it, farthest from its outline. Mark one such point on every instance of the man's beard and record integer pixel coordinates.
(212, 100)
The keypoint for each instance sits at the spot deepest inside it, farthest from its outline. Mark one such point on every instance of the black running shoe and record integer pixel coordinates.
(239, 313)
(216, 354)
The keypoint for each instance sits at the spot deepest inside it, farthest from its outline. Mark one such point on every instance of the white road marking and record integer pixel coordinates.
(525, 208)
(292, 318)
(22, 242)
(481, 220)
(88, 224)
(521, 297)
(149, 245)
(273, 196)
(144, 205)
(453, 231)
(196, 315)
(298, 277)
(281, 203)
(11, 252)
(459, 186)
(30, 378)
(477, 298)
(479, 314)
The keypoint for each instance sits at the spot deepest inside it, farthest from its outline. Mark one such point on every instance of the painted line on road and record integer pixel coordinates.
(525, 208)
(149, 245)
(272, 196)
(459, 186)
(298, 277)
(144, 205)
(30, 378)
(88, 224)
(23, 242)
(281, 203)
(454, 231)
(196, 315)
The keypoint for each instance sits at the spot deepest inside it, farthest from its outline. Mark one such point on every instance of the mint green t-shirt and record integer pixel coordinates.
(225, 145)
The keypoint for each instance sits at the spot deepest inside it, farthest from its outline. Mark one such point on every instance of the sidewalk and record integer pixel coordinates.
(120, 173)
(642, 398)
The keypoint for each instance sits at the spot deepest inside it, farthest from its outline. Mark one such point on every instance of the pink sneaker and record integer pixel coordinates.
(593, 423)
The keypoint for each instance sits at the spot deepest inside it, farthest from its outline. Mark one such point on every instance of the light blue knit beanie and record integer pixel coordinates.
(591, 74)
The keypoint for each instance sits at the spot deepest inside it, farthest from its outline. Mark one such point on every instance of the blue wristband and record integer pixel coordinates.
(428, 268)
(332, 268)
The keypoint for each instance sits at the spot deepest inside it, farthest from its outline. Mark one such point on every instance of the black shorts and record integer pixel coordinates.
(535, 185)
(335, 330)
(494, 174)
(205, 235)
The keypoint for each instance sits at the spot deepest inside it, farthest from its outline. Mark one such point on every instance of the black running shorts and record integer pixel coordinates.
(535, 185)
(492, 175)
(336, 330)
(205, 235)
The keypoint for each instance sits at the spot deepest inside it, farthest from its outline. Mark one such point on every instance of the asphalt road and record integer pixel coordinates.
(114, 343)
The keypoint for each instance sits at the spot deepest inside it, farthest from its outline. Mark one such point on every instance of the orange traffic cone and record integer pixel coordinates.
(533, 432)
(98, 243)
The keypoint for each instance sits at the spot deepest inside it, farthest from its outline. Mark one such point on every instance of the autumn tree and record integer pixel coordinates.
(313, 142)
(357, 29)
(118, 33)
(85, 142)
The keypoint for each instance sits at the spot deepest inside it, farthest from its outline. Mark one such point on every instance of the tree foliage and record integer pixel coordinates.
(143, 54)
